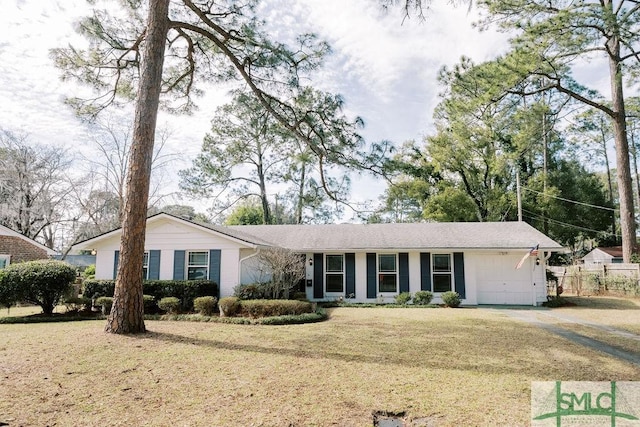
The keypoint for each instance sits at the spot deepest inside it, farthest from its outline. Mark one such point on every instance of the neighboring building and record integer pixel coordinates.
(80, 262)
(14, 247)
(368, 262)
(612, 255)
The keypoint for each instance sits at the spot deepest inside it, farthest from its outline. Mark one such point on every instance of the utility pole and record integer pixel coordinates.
(519, 197)
(545, 144)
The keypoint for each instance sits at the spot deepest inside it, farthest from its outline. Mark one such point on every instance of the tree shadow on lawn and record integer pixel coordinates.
(601, 303)
(480, 359)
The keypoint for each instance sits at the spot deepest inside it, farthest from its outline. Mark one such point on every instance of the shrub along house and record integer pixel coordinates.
(14, 247)
(361, 262)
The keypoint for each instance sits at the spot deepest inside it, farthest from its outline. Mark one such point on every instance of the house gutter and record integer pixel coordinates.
(257, 252)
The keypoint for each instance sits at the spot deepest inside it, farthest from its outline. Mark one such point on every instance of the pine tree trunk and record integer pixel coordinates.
(625, 190)
(127, 312)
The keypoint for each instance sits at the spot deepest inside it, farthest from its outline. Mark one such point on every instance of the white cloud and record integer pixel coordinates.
(386, 71)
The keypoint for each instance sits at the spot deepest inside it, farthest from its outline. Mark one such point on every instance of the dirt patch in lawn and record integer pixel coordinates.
(456, 366)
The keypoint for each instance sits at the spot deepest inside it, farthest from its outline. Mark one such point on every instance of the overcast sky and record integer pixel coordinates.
(385, 69)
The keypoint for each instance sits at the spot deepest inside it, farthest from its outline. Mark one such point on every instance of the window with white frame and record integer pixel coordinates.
(387, 273)
(197, 265)
(4, 261)
(334, 273)
(442, 272)
(145, 266)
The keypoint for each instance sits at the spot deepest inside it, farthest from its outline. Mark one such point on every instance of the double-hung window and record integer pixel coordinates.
(334, 276)
(145, 266)
(387, 273)
(4, 261)
(197, 265)
(442, 272)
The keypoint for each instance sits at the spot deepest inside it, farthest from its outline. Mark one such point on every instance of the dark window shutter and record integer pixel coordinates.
(178, 265)
(154, 265)
(458, 272)
(425, 271)
(371, 275)
(318, 276)
(403, 271)
(116, 261)
(215, 256)
(350, 273)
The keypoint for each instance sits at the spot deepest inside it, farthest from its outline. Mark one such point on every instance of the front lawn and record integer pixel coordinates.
(453, 366)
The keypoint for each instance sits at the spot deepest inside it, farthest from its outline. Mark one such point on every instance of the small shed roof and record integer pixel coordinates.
(614, 251)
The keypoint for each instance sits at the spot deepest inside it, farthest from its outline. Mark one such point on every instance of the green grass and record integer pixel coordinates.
(453, 366)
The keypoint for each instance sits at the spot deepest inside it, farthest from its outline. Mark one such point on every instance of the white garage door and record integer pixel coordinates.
(500, 283)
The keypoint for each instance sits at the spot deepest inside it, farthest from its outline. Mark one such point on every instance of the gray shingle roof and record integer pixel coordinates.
(352, 237)
(467, 235)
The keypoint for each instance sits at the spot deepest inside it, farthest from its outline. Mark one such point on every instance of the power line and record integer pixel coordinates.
(571, 201)
(533, 216)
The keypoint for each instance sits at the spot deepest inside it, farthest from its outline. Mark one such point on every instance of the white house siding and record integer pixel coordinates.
(490, 278)
(248, 266)
(490, 274)
(169, 236)
(361, 276)
(414, 272)
(105, 254)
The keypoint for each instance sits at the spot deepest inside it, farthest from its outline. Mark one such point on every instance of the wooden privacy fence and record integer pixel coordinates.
(599, 279)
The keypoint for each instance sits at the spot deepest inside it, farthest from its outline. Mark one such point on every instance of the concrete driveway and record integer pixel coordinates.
(552, 321)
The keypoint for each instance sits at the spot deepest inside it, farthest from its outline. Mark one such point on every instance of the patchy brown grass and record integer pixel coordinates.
(458, 366)
(623, 313)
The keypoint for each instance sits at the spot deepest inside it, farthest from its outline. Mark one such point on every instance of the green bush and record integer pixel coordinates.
(89, 272)
(149, 302)
(9, 292)
(318, 316)
(105, 303)
(422, 298)
(451, 299)
(403, 298)
(620, 285)
(42, 282)
(185, 290)
(205, 305)
(229, 306)
(268, 308)
(76, 304)
(251, 291)
(98, 288)
(169, 304)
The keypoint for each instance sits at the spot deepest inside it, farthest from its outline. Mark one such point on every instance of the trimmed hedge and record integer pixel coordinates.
(41, 282)
(98, 288)
(403, 298)
(317, 316)
(169, 304)
(185, 290)
(270, 308)
(422, 298)
(251, 291)
(205, 305)
(451, 299)
(105, 303)
(229, 306)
